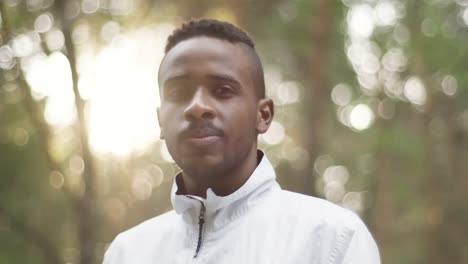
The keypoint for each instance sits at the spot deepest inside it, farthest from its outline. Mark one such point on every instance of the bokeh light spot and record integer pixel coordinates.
(21, 136)
(43, 23)
(298, 156)
(361, 117)
(322, 163)
(361, 21)
(142, 186)
(7, 59)
(415, 91)
(401, 34)
(156, 174)
(115, 208)
(80, 33)
(449, 85)
(386, 108)
(429, 27)
(334, 191)
(386, 13)
(337, 174)
(56, 179)
(394, 60)
(287, 93)
(76, 165)
(22, 45)
(55, 40)
(110, 30)
(341, 94)
(353, 201)
(89, 6)
(275, 133)
(465, 16)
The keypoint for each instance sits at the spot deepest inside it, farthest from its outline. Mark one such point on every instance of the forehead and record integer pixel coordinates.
(206, 56)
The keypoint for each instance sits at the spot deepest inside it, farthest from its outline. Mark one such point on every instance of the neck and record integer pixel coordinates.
(222, 183)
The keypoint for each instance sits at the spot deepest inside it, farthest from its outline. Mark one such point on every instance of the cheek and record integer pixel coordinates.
(168, 116)
(169, 124)
(242, 124)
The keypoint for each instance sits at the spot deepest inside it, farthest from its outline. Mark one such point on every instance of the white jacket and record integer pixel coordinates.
(259, 223)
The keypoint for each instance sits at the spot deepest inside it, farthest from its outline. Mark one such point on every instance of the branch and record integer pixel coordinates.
(84, 209)
(33, 111)
(43, 130)
(67, 25)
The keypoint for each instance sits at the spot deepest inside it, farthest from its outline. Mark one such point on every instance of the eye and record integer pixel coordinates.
(223, 91)
(176, 93)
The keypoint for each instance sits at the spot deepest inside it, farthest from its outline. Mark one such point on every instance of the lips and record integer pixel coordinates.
(203, 141)
(202, 133)
(201, 136)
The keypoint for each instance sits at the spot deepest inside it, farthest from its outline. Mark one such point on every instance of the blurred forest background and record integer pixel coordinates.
(372, 114)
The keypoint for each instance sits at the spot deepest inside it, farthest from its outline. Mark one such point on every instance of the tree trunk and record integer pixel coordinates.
(315, 95)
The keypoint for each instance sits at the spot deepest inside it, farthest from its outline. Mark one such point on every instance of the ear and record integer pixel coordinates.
(161, 130)
(265, 113)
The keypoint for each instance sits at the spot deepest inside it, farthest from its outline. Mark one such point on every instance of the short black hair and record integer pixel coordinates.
(224, 31)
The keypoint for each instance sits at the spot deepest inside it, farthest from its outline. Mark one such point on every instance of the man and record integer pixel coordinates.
(228, 206)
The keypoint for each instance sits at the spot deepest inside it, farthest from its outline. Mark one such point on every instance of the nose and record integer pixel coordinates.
(200, 106)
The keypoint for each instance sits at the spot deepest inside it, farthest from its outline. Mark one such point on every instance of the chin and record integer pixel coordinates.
(204, 164)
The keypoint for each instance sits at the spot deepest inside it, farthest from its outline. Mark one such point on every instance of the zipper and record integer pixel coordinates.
(201, 222)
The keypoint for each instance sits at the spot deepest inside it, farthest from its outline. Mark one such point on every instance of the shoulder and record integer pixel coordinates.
(313, 209)
(148, 229)
(140, 240)
(342, 232)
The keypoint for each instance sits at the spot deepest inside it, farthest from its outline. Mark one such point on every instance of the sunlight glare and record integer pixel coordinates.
(123, 95)
(165, 153)
(50, 76)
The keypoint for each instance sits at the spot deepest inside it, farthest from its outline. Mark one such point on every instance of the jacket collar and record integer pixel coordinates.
(262, 179)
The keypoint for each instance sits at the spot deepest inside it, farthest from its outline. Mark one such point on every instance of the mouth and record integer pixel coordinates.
(200, 137)
(202, 141)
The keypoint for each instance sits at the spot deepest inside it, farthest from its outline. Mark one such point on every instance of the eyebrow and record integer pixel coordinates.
(225, 78)
(217, 77)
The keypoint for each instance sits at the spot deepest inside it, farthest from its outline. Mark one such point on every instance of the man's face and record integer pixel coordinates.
(209, 111)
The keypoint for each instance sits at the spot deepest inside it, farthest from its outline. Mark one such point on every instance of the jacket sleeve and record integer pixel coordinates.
(353, 243)
(113, 253)
(362, 248)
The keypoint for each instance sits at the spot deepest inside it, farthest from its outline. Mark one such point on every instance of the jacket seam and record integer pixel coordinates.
(341, 247)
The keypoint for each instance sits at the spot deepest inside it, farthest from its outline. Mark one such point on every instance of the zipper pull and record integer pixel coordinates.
(201, 217)
(201, 221)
